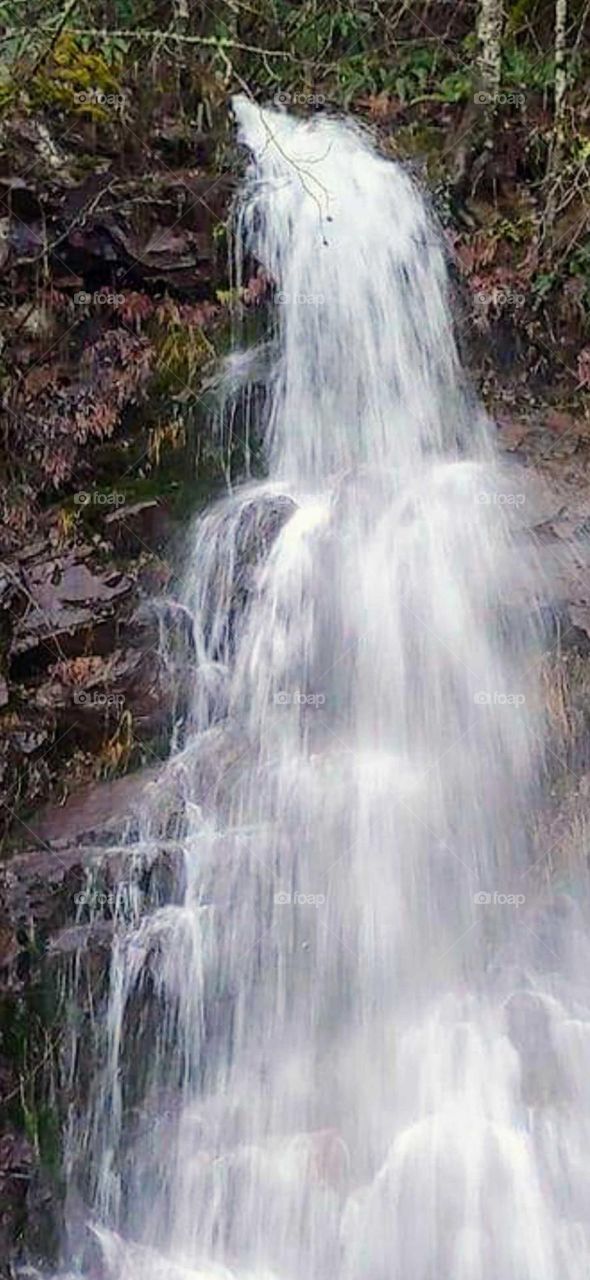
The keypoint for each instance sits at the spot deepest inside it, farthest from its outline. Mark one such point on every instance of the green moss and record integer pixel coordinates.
(74, 80)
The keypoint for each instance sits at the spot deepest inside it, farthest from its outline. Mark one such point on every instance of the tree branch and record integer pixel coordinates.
(209, 42)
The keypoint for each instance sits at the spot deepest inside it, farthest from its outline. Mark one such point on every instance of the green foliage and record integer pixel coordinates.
(356, 76)
(182, 352)
(311, 29)
(457, 87)
(350, 48)
(543, 284)
(427, 73)
(518, 231)
(521, 69)
(114, 49)
(415, 73)
(580, 262)
(579, 265)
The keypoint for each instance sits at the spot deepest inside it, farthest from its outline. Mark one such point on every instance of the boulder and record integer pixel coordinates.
(87, 697)
(17, 1162)
(139, 524)
(69, 606)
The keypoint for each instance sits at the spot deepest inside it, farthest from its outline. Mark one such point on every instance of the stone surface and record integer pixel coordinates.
(67, 600)
(146, 523)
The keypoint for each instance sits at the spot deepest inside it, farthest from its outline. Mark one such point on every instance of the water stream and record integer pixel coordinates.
(361, 1044)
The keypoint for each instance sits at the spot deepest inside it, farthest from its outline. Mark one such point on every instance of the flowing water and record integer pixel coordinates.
(357, 1042)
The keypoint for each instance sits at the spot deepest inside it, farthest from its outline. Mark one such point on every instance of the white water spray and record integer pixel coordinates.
(357, 1048)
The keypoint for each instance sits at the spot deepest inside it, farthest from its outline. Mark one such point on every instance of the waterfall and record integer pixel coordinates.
(353, 1045)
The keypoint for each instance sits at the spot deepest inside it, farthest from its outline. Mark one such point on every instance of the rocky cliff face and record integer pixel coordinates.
(112, 261)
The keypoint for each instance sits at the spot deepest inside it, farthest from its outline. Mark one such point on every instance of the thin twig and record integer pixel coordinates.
(210, 42)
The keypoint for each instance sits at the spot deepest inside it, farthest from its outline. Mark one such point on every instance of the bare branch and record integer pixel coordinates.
(148, 37)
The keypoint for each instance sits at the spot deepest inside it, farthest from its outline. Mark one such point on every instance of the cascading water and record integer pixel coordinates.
(363, 1052)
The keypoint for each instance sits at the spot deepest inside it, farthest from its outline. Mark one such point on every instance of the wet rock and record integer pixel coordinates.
(204, 773)
(163, 623)
(579, 617)
(101, 813)
(11, 969)
(529, 1028)
(511, 432)
(24, 770)
(139, 524)
(182, 144)
(44, 1217)
(90, 938)
(178, 251)
(259, 525)
(150, 690)
(17, 1161)
(62, 896)
(87, 697)
(8, 595)
(38, 887)
(20, 197)
(68, 601)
